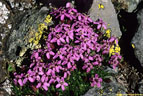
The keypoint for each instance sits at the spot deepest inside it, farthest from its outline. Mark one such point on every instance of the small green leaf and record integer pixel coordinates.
(10, 68)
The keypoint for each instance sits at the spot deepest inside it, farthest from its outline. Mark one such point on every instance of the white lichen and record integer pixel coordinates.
(3, 13)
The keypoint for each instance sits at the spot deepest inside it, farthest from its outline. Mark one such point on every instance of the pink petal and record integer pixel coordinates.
(15, 81)
(62, 17)
(98, 85)
(57, 69)
(66, 84)
(58, 79)
(52, 53)
(69, 65)
(61, 57)
(49, 71)
(104, 26)
(65, 75)
(41, 73)
(46, 84)
(99, 26)
(38, 77)
(36, 55)
(45, 87)
(81, 56)
(31, 79)
(48, 55)
(53, 40)
(38, 85)
(31, 65)
(68, 5)
(20, 82)
(62, 40)
(58, 42)
(67, 39)
(79, 17)
(71, 35)
(89, 19)
(43, 78)
(88, 70)
(25, 80)
(63, 87)
(58, 85)
(90, 58)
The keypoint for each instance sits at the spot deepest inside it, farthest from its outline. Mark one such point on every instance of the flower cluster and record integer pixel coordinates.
(96, 81)
(75, 40)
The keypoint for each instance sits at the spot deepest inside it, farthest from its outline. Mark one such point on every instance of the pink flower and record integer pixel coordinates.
(45, 85)
(20, 82)
(68, 5)
(96, 81)
(49, 53)
(61, 83)
(101, 24)
(88, 67)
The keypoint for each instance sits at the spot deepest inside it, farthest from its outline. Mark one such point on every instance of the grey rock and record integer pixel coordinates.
(3, 92)
(20, 33)
(3, 74)
(108, 89)
(110, 86)
(141, 87)
(138, 38)
(132, 4)
(108, 15)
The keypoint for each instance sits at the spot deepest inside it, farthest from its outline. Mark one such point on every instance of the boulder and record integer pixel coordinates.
(138, 38)
(104, 9)
(24, 28)
(110, 86)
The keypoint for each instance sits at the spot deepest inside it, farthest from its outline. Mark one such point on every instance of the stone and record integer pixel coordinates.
(108, 15)
(128, 5)
(24, 27)
(110, 86)
(3, 73)
(138, 38)
(3, 92)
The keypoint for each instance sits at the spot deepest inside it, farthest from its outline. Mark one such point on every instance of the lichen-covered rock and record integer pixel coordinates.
(138, 38)
(104, 9)
(24, 28)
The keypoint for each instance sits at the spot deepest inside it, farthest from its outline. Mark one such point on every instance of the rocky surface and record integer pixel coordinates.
(24, 28)
(110, 86)
(138, 38)
(128, 5)
(107, 13)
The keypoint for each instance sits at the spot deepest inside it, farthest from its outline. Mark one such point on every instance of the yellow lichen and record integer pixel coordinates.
(108, 33)
(48, 19)
(41, 28)
(115, 48)
(100, 6)
(133, 45)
